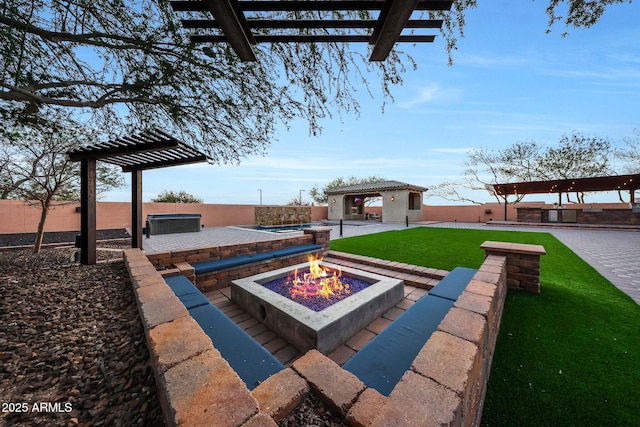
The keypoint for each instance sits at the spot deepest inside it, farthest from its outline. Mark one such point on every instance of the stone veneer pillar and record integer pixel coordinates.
(523, 263)
(321, 236)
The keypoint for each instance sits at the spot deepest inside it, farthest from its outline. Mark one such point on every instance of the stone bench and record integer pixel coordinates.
(225, 263)
(252, 362)
(383, 361)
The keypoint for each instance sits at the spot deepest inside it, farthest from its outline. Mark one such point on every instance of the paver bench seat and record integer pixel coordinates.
(186, 292)
(252, 362)
(220, 264)
(382, 362)
(452, 285)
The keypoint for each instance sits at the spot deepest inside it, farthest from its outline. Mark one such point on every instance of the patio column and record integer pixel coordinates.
(136, 208)
(88, 211)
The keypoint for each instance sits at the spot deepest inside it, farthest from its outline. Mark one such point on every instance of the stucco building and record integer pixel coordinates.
(399, 201)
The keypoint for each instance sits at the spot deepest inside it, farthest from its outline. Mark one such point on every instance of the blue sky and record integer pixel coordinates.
(510, 82)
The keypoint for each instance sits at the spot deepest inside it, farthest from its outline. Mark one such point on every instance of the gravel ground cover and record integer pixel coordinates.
(24, 239)
(311, 412)
(72, 347)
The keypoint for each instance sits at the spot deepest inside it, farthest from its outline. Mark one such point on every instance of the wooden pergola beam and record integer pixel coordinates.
(114, 149)
(164, 164)
(310, 23)
(311, 38)
(392, 20)
(234, 26)
(297, 6)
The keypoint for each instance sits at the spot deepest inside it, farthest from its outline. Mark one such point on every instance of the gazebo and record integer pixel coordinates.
(400, 201)
(134, 153)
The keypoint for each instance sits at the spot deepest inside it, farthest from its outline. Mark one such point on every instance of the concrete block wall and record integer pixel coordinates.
(445, 385)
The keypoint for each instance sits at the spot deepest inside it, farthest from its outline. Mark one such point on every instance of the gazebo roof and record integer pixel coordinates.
(600, 183)
(148, 150)
(374, 187)
(239, 23)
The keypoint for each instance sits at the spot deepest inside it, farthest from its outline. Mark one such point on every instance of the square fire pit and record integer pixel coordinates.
(324, 330)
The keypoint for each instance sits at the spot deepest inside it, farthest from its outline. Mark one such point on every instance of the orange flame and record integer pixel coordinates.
(318, 282)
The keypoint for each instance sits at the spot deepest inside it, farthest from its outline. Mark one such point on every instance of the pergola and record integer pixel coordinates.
(134, 153)
(578, 185)
(238, 23)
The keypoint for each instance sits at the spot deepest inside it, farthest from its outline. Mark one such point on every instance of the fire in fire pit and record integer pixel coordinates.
(317, 287)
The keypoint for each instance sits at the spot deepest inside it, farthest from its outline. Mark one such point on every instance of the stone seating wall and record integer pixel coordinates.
(445, 385)
(180, 262)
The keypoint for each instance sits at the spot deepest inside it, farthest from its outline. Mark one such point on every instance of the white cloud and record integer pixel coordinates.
(463, 150)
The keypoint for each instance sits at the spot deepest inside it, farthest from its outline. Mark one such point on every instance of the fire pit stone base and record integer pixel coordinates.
(324, 330)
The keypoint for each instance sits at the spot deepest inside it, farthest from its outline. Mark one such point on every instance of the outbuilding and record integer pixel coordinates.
(400, 201)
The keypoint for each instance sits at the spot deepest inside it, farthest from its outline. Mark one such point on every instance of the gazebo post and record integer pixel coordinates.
(88, 211)
(505, 208)
(136, 208)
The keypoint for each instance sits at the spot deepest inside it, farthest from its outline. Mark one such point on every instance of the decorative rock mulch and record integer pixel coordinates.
(72, 347)
(311, 412)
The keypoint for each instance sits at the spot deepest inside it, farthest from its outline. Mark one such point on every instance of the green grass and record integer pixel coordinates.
(567, 357)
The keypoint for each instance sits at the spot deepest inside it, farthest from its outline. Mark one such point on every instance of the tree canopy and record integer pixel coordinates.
(128, 64)
(169, 196)
(320, 196)
(34, 165)
(575, 156)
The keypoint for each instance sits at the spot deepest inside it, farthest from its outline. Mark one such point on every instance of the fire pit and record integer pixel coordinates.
(306, 317)
(316, 287)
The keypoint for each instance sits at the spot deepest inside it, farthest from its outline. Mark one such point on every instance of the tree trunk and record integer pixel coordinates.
(43, 217)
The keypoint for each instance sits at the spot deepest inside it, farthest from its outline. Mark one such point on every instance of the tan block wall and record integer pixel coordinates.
(468, 213)
(20, 217)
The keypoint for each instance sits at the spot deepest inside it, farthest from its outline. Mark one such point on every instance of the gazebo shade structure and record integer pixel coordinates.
(148, 150)
(376, 187)
(579, 185)
(400, 201)
(238, 23)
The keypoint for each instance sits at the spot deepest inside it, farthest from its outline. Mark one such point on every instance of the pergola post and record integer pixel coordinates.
(88, 211)
(136, 208)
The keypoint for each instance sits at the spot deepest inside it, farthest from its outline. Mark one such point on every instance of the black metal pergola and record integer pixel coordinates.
(134, 153)
(629, 183)
(238, 23)
(577, 185)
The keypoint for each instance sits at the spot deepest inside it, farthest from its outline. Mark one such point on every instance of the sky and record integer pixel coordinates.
(510, 82)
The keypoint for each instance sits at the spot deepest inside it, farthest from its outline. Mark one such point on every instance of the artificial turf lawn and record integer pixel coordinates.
(567, 357)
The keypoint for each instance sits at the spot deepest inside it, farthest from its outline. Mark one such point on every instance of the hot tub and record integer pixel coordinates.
(168, 223)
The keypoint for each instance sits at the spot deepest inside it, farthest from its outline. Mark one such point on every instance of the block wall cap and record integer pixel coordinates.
(518, 248)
